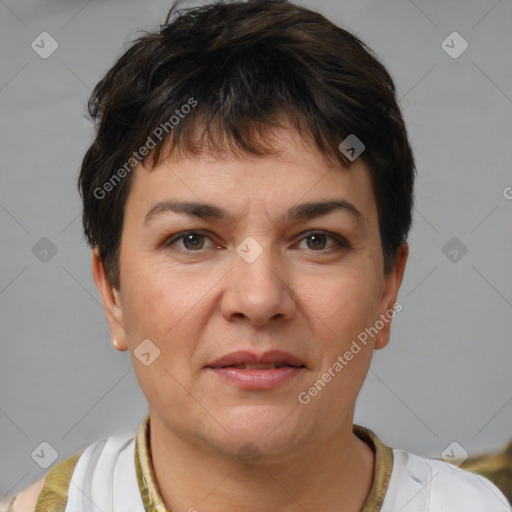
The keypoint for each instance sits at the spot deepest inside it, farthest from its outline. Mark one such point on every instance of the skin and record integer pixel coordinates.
(199, 302)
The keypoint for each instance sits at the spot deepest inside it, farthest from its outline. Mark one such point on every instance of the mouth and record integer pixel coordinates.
(249, 371)
(259, 366)
(244, 359)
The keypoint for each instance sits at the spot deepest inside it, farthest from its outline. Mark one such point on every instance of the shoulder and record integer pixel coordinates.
(26, 500)
(51, 488)
(50, 493)
(418, 483)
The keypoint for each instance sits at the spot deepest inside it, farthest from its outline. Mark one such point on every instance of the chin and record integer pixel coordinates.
(271, 430)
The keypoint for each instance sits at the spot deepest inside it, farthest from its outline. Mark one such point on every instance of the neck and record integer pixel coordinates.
(333, 474)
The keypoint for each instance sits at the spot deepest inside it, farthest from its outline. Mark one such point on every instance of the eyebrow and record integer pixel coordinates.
(210, 211)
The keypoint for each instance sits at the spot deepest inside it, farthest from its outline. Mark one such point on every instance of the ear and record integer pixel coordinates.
(111, 302)
(392, 282)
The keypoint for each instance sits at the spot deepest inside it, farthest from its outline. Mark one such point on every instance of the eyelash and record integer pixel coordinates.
(338, 240)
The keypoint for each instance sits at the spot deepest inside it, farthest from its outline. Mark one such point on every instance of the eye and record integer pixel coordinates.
(192, 240)
(318, 241)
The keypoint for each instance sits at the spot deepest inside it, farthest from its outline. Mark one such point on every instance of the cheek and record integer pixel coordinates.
(170, 309)
(348, 304)
(343, 305)
(157, 299)
(161, 311)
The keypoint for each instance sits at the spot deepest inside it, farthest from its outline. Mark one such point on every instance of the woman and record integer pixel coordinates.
(247, 199)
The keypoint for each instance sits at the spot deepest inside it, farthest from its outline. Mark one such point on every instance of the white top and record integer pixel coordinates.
(418, 484)
(105, 480)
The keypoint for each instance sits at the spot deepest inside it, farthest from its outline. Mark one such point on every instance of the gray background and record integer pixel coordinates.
(445, 375)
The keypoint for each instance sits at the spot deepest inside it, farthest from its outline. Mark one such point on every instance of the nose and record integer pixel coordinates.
(258, 290)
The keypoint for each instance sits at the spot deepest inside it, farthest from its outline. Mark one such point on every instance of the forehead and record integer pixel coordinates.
(232, 185)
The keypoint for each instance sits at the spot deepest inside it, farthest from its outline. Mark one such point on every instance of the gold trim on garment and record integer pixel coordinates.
(153, 501)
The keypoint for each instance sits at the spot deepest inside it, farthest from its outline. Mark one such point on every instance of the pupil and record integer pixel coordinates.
(317, 238)
(189, 238)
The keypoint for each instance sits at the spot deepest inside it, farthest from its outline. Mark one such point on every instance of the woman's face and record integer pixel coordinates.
(265, 276)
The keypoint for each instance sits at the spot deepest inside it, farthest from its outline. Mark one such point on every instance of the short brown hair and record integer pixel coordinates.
(243, 67)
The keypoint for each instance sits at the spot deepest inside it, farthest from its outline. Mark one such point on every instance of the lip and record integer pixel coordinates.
(244, 356)
(256, 379)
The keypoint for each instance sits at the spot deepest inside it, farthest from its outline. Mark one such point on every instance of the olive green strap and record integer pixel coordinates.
(383, 468)
(54, 495)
